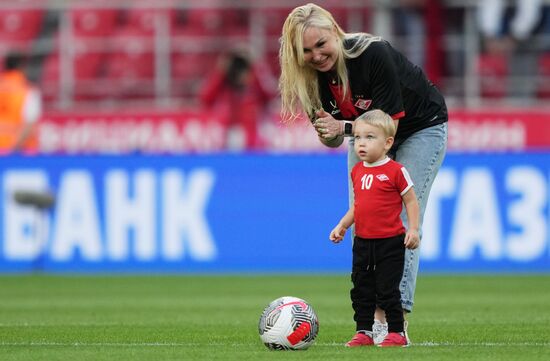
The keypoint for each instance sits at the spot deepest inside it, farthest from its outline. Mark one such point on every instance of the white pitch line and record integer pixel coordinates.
(100, 344)
(464, 344)
(195, 344)
(485, 344)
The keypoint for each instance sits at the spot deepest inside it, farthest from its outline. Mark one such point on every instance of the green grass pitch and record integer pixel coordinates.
(216, 317)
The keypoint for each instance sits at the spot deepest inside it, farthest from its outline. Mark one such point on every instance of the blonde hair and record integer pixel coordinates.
(298, 82)
(380, 119)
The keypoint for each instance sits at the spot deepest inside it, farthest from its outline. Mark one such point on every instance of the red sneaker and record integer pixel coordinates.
(394, 339)
(360, 339)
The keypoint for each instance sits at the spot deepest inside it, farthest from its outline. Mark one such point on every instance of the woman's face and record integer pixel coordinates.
(320, 48)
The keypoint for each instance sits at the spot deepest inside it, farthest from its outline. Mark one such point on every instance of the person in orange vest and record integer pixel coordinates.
(20, 107)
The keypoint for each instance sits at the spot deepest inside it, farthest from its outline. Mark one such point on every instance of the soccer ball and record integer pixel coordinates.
(288, 323)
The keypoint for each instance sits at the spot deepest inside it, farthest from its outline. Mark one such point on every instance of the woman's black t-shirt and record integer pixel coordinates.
(383, 78)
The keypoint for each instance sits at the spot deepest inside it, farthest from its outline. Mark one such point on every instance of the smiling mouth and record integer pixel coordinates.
(321, 63)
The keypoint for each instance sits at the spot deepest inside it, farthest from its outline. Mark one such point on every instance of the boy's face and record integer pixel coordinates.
(371, 145)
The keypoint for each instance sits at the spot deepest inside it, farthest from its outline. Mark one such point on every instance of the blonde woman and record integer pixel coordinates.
(334, 77)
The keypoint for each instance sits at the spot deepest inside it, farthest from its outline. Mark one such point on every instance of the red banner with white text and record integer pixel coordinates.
(191, 132)
(512, 130)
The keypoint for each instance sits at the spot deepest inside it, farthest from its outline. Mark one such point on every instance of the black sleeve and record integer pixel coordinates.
(383, 79)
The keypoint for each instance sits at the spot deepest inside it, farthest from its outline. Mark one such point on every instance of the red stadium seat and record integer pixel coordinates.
(212, 21)
(21, 24)
(143, 18)
(272, 60)
(134, 57)
(543, 85)
(19, 27)
(340, 14)
(89, 56)
(130, 69)
(189, 70)
(274, 20)
(86, 66)
(192, 65)
(493, 72)
(205, 21)
(49, 82)
(94, 21)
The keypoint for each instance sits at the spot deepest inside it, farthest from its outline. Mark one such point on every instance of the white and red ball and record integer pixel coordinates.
(288, 323)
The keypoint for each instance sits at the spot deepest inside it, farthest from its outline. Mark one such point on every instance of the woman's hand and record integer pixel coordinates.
(326, 126)
(329, 130)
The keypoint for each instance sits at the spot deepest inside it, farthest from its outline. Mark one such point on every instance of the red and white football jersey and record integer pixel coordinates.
(378, 190)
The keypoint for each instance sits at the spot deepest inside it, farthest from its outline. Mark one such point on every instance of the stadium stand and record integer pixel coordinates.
(86, 69)
(164, 49)
(130, 65)
(493, 73)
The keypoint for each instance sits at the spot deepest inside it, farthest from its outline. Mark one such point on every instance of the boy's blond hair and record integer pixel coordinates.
(380, 119)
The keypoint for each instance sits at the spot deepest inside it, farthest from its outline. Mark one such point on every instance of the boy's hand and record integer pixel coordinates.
(412, 239)
(337, 234)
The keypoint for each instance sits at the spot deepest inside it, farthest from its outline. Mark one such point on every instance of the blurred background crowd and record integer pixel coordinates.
(169, 55)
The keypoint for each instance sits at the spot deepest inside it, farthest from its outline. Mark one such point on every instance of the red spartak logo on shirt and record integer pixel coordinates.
(363, 103)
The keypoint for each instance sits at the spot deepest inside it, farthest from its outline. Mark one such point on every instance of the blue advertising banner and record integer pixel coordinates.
(258, 213)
